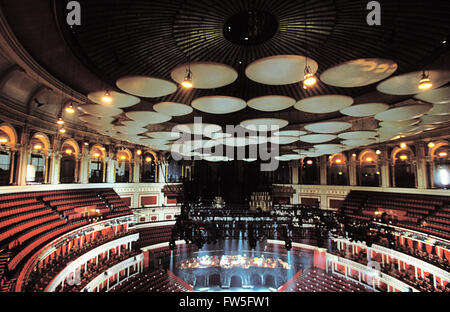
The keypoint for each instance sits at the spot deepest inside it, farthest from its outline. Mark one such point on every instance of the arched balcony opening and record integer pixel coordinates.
(149, 168)
(309, 171)
(337, 170)
(403, 168)
(68, 172)
(440, 166)
(368, 169)
(123, 167)
(8, 157)
(174, 171)
(38, 161)
(97, 164)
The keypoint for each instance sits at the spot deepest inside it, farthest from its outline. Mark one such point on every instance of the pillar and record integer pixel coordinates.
(137, 169)
(384, 161)
(111, 169)
(352, 171)
(323, 169)
(421, 165)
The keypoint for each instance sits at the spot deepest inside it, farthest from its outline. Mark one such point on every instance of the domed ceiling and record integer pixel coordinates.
(235, 44)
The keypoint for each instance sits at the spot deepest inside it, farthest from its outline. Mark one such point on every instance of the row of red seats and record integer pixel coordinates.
(28, 249)
(17, 203)
(23, 238)
(27, 225)
(23, 216)
(15, 211)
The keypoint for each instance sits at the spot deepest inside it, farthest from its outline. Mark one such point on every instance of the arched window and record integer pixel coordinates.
(123, 167)
(283, 174)
(97, 165)
(175, 171)
(403, 168)
(8, 157)
(368, 169)
(68, 164)
(337, 170)
(38, 160)
(149, 168)
(441, 166)
(309, 171)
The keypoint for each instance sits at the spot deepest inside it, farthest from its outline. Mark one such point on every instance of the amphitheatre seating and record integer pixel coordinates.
(29, 220)
(152, 281)
(408, 210)
(316, 280)
(154, 235)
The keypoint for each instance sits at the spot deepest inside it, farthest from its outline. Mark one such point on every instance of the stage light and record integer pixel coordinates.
(431, 145)
(107, 97)
(70, 109)
(60, 121)
(425, 82)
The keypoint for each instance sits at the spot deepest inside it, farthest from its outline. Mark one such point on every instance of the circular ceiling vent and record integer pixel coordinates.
(250, 27)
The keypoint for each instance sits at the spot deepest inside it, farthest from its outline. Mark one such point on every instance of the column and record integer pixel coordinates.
(137, 169)
(23, 154)
(323, 169)
(421, 165)
(55, 161)
(384, 161)
(352, 171)
(162, 176)
(294, 167)
(111, 174)
(84, 165)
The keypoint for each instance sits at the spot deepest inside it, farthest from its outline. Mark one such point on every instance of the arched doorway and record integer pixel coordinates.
(270, 281)
(97, 164)
(8, 159)
(255, 280)
(214, 280)
(236, 281)
(123, 168)
(200, 281)
(68, 164)
(368, 169)
(441, 166)
(404, 169)
(337, 170)
(309, 171)
(175, 171)
(37, 167)
(149, 168)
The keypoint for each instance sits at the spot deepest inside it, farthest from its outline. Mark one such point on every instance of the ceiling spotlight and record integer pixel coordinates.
(62, 130)
(431, 145)
(107, 97)
(60, 121)
(425, 82)
(309, 79)
(187, 82)
(378, 152)
(70, 109)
